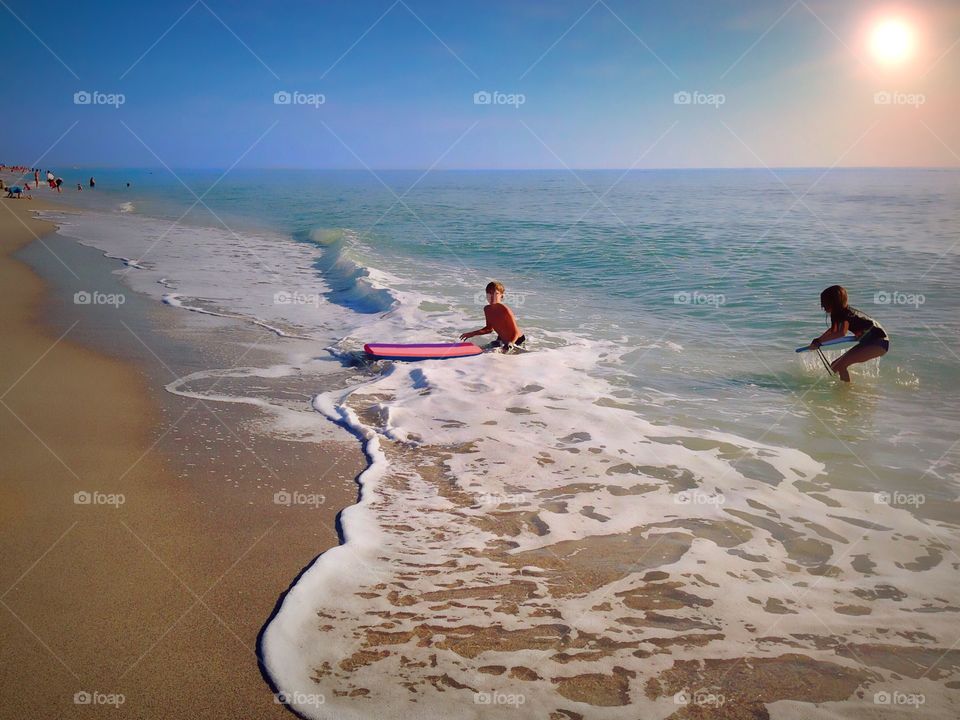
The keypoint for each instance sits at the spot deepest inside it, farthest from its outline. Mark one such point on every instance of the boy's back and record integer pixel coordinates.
(501, 319)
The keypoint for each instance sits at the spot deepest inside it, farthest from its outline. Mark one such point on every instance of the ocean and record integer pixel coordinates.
(658, 480)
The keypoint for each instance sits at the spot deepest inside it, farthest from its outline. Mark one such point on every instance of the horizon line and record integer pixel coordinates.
(518, 169)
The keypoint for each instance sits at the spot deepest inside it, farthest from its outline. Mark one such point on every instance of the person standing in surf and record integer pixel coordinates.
(873, 339)
(500, 319)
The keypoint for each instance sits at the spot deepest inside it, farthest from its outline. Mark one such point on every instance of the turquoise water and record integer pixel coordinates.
(705, 280)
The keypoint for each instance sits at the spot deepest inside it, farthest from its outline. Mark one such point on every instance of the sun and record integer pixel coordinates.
(892, 41)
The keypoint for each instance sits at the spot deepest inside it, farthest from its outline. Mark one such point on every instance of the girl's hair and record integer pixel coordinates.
(494, 285)
(834, 300)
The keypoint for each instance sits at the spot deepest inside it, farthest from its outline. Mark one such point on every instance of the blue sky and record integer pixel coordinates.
(772, 82)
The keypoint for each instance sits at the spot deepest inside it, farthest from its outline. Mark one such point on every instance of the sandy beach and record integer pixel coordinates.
(146, 590)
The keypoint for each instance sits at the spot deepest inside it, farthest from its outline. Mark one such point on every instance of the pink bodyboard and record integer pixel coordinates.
(421, 351)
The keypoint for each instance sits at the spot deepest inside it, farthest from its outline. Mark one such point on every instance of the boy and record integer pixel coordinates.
(499, 319)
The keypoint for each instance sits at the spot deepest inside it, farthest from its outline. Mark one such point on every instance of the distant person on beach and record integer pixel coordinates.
(36, 178)
(874, 341)
(58, 183)
(79, 187)
(93, 183)
(500, 319)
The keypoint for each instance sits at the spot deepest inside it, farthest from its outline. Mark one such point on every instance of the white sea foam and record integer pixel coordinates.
(534, 424)
(177, 301)
(257, 276)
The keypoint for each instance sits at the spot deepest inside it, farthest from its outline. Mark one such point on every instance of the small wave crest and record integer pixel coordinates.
(350, 281)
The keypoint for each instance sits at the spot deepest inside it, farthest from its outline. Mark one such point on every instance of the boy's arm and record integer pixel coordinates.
(474, 333)
(485, 330)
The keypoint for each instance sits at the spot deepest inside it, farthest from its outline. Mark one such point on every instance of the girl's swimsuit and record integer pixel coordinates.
(864, 327)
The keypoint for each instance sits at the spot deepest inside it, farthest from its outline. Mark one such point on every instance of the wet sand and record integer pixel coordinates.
(149, 588)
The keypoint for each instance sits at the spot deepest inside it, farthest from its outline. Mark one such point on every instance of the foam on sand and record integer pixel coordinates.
(523, 536)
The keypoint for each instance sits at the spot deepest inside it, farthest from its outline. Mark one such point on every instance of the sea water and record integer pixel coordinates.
(659, 422)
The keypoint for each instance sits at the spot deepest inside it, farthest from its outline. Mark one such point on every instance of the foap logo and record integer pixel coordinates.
(495, 97)
(96, 697)
(695, 497)
(299, 698)
(695, 97)
(84, 297)
(509, 298)
(897, 697)
(284, 97)
(695, 297)
(498, 698)
(887, 97)
(899, 499)
(493, 499)
(895, 297)
(699, 698)
(114, 500)
(95, 97)
(289, 499)
(296, 298)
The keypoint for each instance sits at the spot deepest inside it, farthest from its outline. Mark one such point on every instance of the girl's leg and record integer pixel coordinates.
(856, 355)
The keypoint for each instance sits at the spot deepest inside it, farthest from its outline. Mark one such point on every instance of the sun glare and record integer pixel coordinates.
(892, 41)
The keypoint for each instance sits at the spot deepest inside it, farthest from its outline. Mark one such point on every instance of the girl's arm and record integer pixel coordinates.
(837, 330)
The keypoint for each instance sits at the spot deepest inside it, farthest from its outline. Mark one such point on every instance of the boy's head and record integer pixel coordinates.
(494, 291)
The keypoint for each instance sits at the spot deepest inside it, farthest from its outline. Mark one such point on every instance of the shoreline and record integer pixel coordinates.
(157, 589)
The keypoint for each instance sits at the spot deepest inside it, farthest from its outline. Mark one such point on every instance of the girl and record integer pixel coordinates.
(873, 338)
